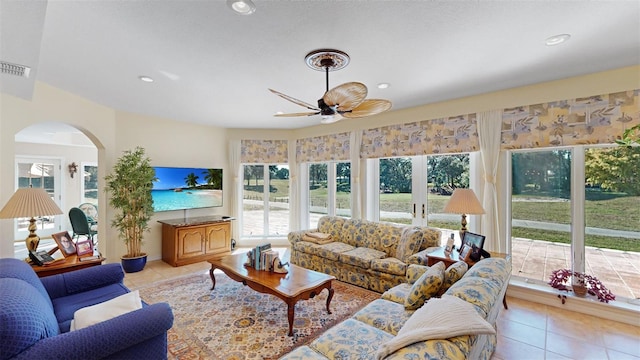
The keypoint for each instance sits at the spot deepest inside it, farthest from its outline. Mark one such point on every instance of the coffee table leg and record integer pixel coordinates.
(213, 278)
(329, 298)
(290, 313)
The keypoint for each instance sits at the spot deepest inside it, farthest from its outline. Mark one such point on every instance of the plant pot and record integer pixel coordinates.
(579, 290)
(135, 264)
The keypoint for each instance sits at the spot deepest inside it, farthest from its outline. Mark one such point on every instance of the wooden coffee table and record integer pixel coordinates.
(298, 284)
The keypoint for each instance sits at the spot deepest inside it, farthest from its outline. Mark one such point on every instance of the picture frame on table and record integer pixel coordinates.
(472, 239)
(465, 252)
(65, 243)
(85, 247)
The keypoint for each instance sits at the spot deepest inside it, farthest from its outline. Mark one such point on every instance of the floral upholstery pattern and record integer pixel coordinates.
(361, 256)
(425, 287)
(415, 271)
(351, 339)
(364, 253)
(389, 265)
(384, 315)
(409, 244)
(360, 336)
(453, 273)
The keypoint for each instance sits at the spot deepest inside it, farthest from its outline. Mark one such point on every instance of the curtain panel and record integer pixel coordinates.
(453, 134)
(264, 152)
(598, 119)
(334, 147)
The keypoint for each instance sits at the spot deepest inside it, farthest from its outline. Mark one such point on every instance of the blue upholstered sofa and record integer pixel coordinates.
(36, 313)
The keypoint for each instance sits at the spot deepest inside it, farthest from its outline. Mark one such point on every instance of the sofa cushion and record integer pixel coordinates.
(384, 315)
(453, 273)
(361, 257)
(331, 225)
(389, 265)
(477, 291)
(351, 339)
(425, 287)
(414, 272)
(329, 251)
(409, 243)
(65, 307)
(430, 237)
(354, 232)
(18, 269)
(106, 310)
(398, 293)
(441, 318)
(388, 236)
(25, 317)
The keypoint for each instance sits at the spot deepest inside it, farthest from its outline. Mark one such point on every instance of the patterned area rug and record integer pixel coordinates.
(235, 322)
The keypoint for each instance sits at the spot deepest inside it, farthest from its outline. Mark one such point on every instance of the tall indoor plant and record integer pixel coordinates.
(130, 184)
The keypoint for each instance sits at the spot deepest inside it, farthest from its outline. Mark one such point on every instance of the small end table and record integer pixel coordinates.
(70, 263)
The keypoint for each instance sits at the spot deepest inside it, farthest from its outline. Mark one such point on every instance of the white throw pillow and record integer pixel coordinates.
(439, 318)
(94, 314)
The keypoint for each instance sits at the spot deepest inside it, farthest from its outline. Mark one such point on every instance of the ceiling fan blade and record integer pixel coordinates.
(298, 114)
(368, 107)
(347, 96)
(295, 101)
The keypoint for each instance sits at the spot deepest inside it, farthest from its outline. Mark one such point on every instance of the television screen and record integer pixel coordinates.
(186, 188)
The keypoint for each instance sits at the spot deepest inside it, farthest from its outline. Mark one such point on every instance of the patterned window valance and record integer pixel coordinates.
(599, 119)
(438, 136)
(264, 152)
(334, 147)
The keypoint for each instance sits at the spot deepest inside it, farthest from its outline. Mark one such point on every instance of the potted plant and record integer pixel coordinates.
(580, 283)
(130, 185)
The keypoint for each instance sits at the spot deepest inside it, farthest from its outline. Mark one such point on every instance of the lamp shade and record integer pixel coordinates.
(464, 201)
(29, 202)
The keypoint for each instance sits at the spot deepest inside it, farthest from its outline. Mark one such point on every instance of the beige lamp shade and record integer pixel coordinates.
(30, 202)
(463, 201)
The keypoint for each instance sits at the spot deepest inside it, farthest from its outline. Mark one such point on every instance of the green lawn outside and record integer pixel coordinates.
(602, 210)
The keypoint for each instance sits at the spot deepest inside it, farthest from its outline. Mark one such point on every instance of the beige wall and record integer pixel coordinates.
(172, 143)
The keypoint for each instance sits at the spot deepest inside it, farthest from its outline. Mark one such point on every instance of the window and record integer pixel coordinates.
(265, 203)
(577, 208)
(329, 190)
(89, 191)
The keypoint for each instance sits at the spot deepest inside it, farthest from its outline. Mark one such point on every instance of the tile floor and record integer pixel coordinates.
(526, 331)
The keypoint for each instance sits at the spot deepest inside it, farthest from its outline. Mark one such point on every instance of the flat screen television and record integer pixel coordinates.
(180, 188)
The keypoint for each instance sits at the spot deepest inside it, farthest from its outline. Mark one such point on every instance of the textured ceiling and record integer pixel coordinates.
(212, 66)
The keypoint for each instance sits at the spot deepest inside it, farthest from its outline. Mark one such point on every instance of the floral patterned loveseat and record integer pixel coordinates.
(373, 255)
(363, 336)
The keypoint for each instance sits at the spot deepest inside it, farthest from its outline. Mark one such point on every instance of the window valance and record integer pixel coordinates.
(438, 136)
(598, 119)
(334, 147)
(264, 152)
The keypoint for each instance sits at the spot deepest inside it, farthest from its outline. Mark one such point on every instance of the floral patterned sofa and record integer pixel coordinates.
(373, 255)
(369, 333)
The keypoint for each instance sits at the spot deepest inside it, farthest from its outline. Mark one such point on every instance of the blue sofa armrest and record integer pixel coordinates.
(107, 338)
(83, 280)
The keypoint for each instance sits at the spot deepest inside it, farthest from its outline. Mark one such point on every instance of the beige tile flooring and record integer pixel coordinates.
(526, 330)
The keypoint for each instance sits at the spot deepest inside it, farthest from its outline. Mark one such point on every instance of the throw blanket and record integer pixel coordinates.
(317, 238)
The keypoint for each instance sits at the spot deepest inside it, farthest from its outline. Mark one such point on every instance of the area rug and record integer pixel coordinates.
(235, 322)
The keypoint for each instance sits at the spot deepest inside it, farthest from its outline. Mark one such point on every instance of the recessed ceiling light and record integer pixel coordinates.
(145, 78)
(557, 39)
(383, 85)
(242, 7)
(279, 113)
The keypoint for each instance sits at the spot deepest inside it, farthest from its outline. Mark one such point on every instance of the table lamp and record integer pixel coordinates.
(463, 201)
(30, 202)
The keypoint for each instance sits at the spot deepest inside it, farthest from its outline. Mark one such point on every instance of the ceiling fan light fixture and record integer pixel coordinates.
(327, 59)
(242, 7)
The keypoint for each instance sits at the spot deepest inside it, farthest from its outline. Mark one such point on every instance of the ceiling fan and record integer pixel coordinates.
(347, 100)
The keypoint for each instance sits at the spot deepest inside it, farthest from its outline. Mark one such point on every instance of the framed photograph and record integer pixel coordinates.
(472, 239)
(65, 243)
(465, 251)
(85, 247)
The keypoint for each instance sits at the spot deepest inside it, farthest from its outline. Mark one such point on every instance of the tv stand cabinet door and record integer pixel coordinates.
(191, 242)
(218, 239)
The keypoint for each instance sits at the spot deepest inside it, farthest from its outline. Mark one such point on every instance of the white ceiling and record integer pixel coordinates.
(212, 66)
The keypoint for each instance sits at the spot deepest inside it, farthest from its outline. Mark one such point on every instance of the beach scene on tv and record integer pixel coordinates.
(186, 188)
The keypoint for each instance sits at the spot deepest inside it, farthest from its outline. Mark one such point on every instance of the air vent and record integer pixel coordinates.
(14, 69)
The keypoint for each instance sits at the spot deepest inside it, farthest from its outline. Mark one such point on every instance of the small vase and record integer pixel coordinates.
(579, 290)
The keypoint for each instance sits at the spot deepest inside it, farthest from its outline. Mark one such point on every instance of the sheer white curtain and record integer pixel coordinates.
(489, 127)
(235, 206)
(356, 199)
(294, 188)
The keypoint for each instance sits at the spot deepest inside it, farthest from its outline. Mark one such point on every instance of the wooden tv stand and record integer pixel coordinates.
(191, 240)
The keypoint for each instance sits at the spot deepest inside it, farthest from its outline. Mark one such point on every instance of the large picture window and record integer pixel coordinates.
(329, 190)
(265, 200)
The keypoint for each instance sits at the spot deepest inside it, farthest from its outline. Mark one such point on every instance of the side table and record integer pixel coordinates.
(70, 263)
